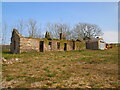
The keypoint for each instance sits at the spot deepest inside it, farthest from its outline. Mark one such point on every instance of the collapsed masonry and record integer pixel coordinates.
(21, 44)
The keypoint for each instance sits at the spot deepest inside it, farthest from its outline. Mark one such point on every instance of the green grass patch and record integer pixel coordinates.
(46, 69)
(9, 78)
(51, 75)
(94, 67)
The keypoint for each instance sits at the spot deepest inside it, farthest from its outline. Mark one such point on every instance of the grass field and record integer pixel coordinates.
(72, 69)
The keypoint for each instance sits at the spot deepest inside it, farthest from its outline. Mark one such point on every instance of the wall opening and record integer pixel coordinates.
(41, 46)
(73, 45)
(65, 46)
(58, 45)
(50, 45)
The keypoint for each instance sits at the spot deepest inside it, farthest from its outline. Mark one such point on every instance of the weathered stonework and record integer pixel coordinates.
(21, 44)
(29, 44)
(15, 42)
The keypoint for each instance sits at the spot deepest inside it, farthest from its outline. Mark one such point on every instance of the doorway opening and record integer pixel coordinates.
(73, 45)
(41, 46)
(58, 45)
(65, 46)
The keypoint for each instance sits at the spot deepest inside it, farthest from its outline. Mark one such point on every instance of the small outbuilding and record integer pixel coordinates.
(96, 43)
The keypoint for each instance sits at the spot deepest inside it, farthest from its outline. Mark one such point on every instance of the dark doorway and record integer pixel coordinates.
(73, 45)
(58, 45)
(65, 46)
(41, 46)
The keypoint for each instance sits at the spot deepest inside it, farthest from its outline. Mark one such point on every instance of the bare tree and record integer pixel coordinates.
(34, 30)
(21, 26)
(83, 30)
(4, 33)
(32, 27)
(56, 28)
(39, 33)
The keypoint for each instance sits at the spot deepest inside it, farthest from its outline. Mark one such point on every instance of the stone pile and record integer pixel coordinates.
(10, 61)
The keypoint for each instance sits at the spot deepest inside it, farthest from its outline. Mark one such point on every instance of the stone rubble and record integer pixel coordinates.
(10, 61)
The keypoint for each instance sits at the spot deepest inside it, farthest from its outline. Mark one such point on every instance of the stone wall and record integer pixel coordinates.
(21, 44)
(15, 42)
(80, 45)
(29, 45)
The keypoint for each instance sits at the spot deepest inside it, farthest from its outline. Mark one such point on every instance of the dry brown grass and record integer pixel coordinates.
(73, 69)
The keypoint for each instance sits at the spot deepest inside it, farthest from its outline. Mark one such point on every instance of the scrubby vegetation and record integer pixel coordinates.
(71, 69)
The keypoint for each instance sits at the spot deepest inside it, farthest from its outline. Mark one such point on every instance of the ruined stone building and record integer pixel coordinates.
(21, 44)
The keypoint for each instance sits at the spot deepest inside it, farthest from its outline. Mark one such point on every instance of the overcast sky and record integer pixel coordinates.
(104, 14)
